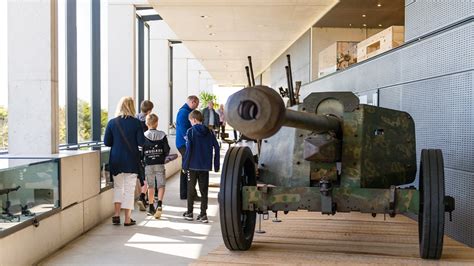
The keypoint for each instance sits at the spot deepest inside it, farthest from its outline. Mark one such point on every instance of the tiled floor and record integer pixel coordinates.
(168, 241)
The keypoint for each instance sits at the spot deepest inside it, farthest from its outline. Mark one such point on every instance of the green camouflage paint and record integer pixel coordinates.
(378, 151)
(323, 171)
(347, 199)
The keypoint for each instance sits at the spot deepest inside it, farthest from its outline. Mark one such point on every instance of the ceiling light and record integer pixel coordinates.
(212, 34)
(365, 25)
(379, 4)
(363, 15)
(350, 25)
(380, 25)
(204, 16)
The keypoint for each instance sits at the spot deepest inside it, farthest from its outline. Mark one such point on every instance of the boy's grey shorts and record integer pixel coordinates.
(158, 171)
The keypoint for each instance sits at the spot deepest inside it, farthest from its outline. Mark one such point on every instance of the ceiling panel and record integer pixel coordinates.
(222, 33)
(371, 13)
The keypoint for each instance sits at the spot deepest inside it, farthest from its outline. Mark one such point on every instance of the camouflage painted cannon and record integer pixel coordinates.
(329, 154)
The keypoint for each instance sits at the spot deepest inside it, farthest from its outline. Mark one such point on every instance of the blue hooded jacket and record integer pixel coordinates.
(182, 125)
(199, 145)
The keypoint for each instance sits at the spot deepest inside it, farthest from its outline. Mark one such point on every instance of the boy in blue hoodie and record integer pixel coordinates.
(200, 142)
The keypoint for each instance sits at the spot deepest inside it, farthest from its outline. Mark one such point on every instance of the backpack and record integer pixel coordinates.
(154, 152)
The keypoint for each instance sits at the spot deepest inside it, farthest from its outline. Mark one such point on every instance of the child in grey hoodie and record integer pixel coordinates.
(155, 150)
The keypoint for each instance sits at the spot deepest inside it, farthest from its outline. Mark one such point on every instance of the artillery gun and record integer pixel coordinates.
(329, 154)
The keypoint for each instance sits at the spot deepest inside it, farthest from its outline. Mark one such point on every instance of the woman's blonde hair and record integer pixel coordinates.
(125, 107)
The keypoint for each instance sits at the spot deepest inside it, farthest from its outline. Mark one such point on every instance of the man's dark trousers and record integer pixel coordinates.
(201, 177)
(183, 178)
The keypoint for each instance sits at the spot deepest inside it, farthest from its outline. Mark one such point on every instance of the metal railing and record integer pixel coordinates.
(87, 144)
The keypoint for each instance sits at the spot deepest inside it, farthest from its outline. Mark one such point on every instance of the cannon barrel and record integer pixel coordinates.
(259, 112)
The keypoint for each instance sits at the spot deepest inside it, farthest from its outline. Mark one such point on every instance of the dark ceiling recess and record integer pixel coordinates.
(371, 13)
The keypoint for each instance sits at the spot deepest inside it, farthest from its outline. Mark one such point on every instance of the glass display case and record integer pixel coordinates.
(104, 168)
(28, 188)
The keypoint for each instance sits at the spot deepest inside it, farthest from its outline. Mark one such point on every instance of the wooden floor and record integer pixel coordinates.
(343, 239)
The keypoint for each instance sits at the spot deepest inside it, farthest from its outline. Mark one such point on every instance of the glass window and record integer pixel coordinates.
(3, 76)
(104, 75)
(137, 73)
(84, 74)
(104, 91)
(142, 51)
(62, 70)
(146, 61)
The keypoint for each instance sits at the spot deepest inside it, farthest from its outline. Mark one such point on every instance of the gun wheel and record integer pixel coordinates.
(431, 213)
(237, 225)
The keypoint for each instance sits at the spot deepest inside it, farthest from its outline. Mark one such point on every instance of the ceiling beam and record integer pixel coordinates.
(151, 17)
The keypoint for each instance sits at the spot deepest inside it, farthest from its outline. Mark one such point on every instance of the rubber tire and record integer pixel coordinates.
(238, 171)
(431, 213)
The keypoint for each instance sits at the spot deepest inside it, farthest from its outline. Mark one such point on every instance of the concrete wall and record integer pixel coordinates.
(323, 37)
(121, 57)
(3, 56)
(275, 75)
(32, 77)
(189, 77)
(180, 77)
(159, 71)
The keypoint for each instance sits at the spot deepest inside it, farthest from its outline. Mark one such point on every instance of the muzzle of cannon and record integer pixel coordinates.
(259, 112)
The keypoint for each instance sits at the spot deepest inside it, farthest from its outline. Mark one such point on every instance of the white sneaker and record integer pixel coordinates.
(158, 212)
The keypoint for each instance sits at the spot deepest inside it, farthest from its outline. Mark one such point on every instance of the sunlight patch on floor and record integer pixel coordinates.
(182, 226)
(190, 251)
(144, 238)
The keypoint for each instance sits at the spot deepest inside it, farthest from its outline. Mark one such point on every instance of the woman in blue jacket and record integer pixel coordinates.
(124, 134)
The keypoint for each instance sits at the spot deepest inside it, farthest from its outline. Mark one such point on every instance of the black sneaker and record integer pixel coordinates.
(188, 216)
(151, 210)
(116, 220)
(202, 218)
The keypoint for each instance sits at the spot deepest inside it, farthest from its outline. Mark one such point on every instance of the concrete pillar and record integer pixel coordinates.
(160, 34)
(121, 57)
(193, 78)
(159, 80)
(180, 82)
(33, 79)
